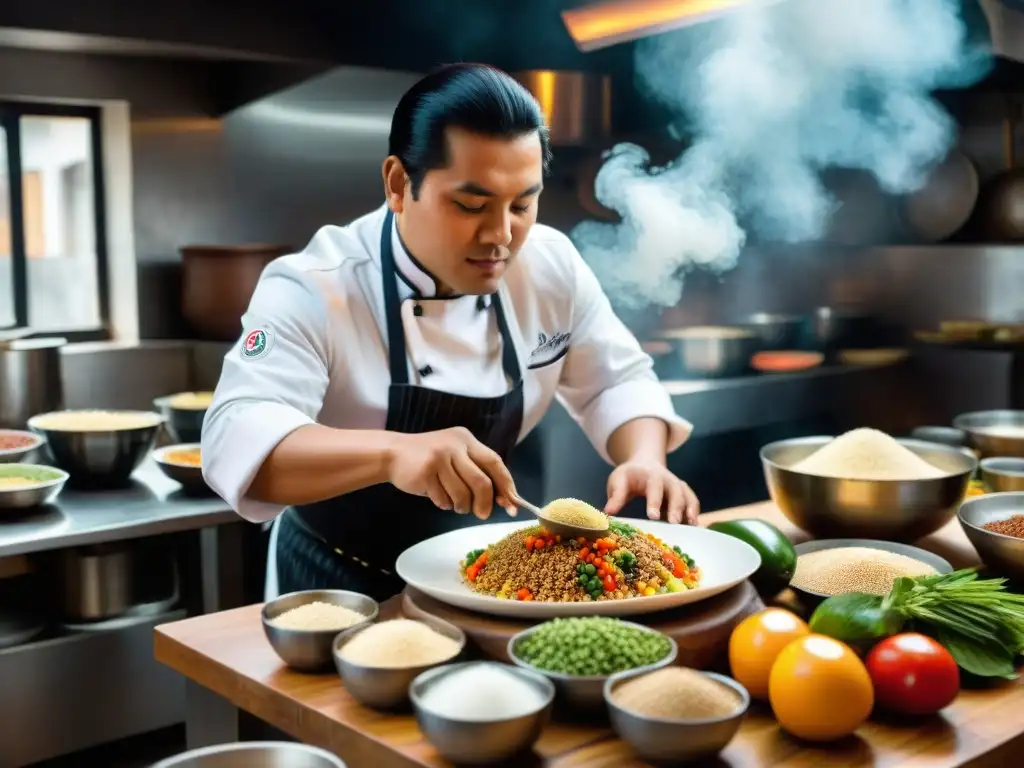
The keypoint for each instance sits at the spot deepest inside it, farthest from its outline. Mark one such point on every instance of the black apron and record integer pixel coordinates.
(351, 542)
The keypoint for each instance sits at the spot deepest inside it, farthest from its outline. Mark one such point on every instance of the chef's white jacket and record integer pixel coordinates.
(314, 350)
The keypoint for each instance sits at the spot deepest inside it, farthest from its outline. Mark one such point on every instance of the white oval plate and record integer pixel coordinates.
(432, 567)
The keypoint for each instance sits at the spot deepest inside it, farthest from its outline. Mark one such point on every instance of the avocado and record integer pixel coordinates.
(778, 558)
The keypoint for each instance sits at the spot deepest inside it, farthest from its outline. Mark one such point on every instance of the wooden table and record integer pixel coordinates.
(230, 666)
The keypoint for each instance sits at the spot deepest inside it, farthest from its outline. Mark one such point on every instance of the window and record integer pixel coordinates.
(52, 237)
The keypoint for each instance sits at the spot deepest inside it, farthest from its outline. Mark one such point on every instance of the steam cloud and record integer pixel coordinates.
(773, 95)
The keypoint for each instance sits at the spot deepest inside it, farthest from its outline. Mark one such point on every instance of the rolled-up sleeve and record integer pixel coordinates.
(273, 382)
(608, 379)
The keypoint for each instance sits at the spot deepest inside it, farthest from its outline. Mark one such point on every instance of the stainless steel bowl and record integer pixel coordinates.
(834, 329)
(99, 459)
(309, 650)
(811, 598)
(184, 425)
(254, 754)
(51, 482)
(388, 687)
(777, 332)
(893, 510)
(1003, 474)
(479, 742)
(713, 352)
(189, 478)
(21, 455)
(674, 741)
(982, 431)
(1003, 554)
(584, 692)
(941, 435)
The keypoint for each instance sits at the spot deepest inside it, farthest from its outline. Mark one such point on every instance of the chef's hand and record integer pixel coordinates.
(454, 469)
(653, 481)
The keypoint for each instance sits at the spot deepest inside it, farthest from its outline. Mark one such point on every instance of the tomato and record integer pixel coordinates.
(819, 690)
(756, 642)
(913, 674)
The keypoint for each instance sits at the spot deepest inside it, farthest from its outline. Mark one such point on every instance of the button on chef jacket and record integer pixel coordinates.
(313, 349)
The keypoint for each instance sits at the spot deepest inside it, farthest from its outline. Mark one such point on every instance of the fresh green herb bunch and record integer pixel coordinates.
(591, 645)
(977, 620)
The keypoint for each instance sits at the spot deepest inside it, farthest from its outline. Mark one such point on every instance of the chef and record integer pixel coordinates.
(385, 373)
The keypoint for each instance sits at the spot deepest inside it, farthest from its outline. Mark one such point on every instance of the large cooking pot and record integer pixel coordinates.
(218, 282)
(30, 380)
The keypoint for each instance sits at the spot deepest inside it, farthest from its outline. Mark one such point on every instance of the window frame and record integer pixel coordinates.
(11, 112)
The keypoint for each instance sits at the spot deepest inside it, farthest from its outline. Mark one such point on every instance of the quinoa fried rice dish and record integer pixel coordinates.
(533, 564)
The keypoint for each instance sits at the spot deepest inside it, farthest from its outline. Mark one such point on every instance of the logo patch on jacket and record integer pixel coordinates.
(257, 342)
(549, 349)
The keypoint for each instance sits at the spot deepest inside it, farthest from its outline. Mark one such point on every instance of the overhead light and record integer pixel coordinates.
(618, 21)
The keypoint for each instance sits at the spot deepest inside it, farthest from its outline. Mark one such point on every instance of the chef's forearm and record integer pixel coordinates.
(643, 439)
(314, 463)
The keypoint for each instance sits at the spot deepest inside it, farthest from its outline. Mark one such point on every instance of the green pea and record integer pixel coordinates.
(590, 569)
(584, 579)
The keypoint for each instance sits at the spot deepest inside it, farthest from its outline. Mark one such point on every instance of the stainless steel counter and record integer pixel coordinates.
(152, 505)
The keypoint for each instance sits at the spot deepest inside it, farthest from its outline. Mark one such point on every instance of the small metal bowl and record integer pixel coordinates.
(310, 650)
(388, 687)
(893, 510)
(99, 458)
(714, 351)
(188, 477)
(184, 425)
(21, 454)
(584, 692)
(1003, 554)
(254, 754)
(1003, 474)
(950, 436)
(777, 331)
(812, 598)
(982, 428)
(677, 740)
(50, 482)
(479, 742)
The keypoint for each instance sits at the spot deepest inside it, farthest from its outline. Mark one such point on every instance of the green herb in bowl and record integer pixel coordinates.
(591, 645)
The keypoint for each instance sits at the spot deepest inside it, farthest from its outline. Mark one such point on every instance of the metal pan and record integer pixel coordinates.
(943, 205)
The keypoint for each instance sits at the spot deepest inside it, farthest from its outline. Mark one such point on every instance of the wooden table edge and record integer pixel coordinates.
(202, 670)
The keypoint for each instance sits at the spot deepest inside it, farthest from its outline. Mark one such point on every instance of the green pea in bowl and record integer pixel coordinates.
(23, 486)
(585, 692)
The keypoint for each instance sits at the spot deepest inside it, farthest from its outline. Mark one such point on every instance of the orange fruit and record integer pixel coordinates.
(757, 641)
(819, 689)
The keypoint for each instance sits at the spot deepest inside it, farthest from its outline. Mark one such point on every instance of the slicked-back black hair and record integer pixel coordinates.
(474, 97)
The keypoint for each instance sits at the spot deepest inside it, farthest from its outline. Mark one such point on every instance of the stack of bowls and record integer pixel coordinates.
(892, 510)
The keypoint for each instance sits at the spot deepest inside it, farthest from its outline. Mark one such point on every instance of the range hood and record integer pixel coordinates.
(609, 22)
(602, 24)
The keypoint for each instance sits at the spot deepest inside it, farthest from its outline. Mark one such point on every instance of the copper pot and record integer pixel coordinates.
(218, 282)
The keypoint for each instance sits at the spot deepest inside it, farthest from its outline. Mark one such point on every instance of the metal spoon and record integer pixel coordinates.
(561, 529)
